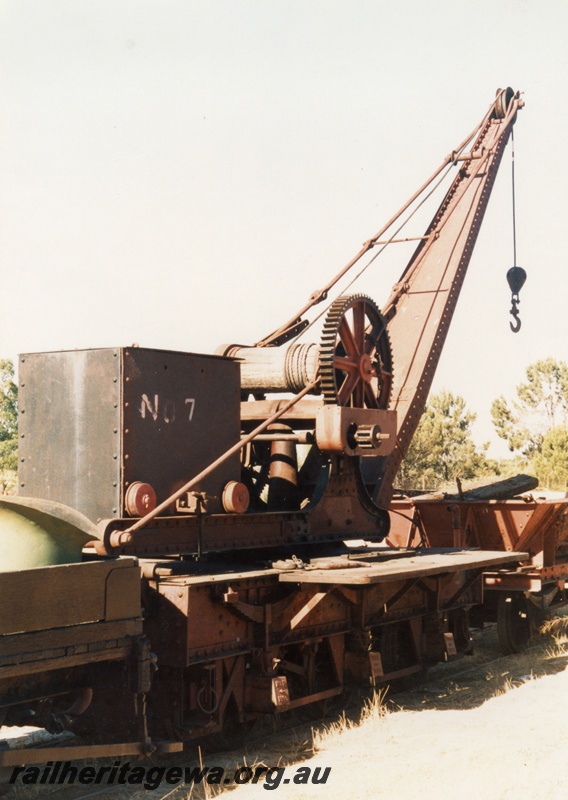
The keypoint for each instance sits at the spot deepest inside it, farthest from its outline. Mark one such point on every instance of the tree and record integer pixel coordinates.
(541, 403)
(551, 463)
(442, 449)
(8, 417)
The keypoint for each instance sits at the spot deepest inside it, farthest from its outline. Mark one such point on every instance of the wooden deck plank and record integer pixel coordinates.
(415, 566)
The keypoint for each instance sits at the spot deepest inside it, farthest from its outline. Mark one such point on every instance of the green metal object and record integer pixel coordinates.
(40, 533)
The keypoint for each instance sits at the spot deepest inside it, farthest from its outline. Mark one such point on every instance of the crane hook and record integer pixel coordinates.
(516, 277)
(516, 326)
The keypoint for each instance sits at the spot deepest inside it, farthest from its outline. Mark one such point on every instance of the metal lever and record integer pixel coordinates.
(516, 278)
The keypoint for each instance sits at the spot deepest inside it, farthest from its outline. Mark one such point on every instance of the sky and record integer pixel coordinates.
(184, 173)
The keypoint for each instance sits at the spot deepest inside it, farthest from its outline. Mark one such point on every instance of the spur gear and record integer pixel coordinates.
(355, 354)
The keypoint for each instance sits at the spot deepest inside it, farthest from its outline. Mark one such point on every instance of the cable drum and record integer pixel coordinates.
(300, 365)
(276, 369)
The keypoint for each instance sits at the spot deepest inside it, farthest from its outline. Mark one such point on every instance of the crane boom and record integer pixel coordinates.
(421, 306)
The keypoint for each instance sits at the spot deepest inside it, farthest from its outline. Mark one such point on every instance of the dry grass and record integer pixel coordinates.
(374, 709)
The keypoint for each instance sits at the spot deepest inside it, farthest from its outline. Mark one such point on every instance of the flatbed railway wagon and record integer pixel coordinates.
(519, 597)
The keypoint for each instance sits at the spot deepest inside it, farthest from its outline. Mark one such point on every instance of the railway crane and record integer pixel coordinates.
(199, 540)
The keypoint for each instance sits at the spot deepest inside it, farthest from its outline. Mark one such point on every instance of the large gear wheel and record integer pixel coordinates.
(355, 354)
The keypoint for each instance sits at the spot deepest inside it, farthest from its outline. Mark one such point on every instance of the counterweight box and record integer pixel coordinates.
(94, 421)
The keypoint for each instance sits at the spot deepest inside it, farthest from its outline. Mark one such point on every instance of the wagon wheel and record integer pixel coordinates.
(309, 671)
(234, 732)
(355, 355)
(398, 651)
(513, 623)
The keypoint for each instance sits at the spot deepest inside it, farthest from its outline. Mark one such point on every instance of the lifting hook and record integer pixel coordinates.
(516, 277)
(516, 325)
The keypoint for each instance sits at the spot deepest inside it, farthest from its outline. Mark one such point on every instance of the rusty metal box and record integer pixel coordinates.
(94, 421)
